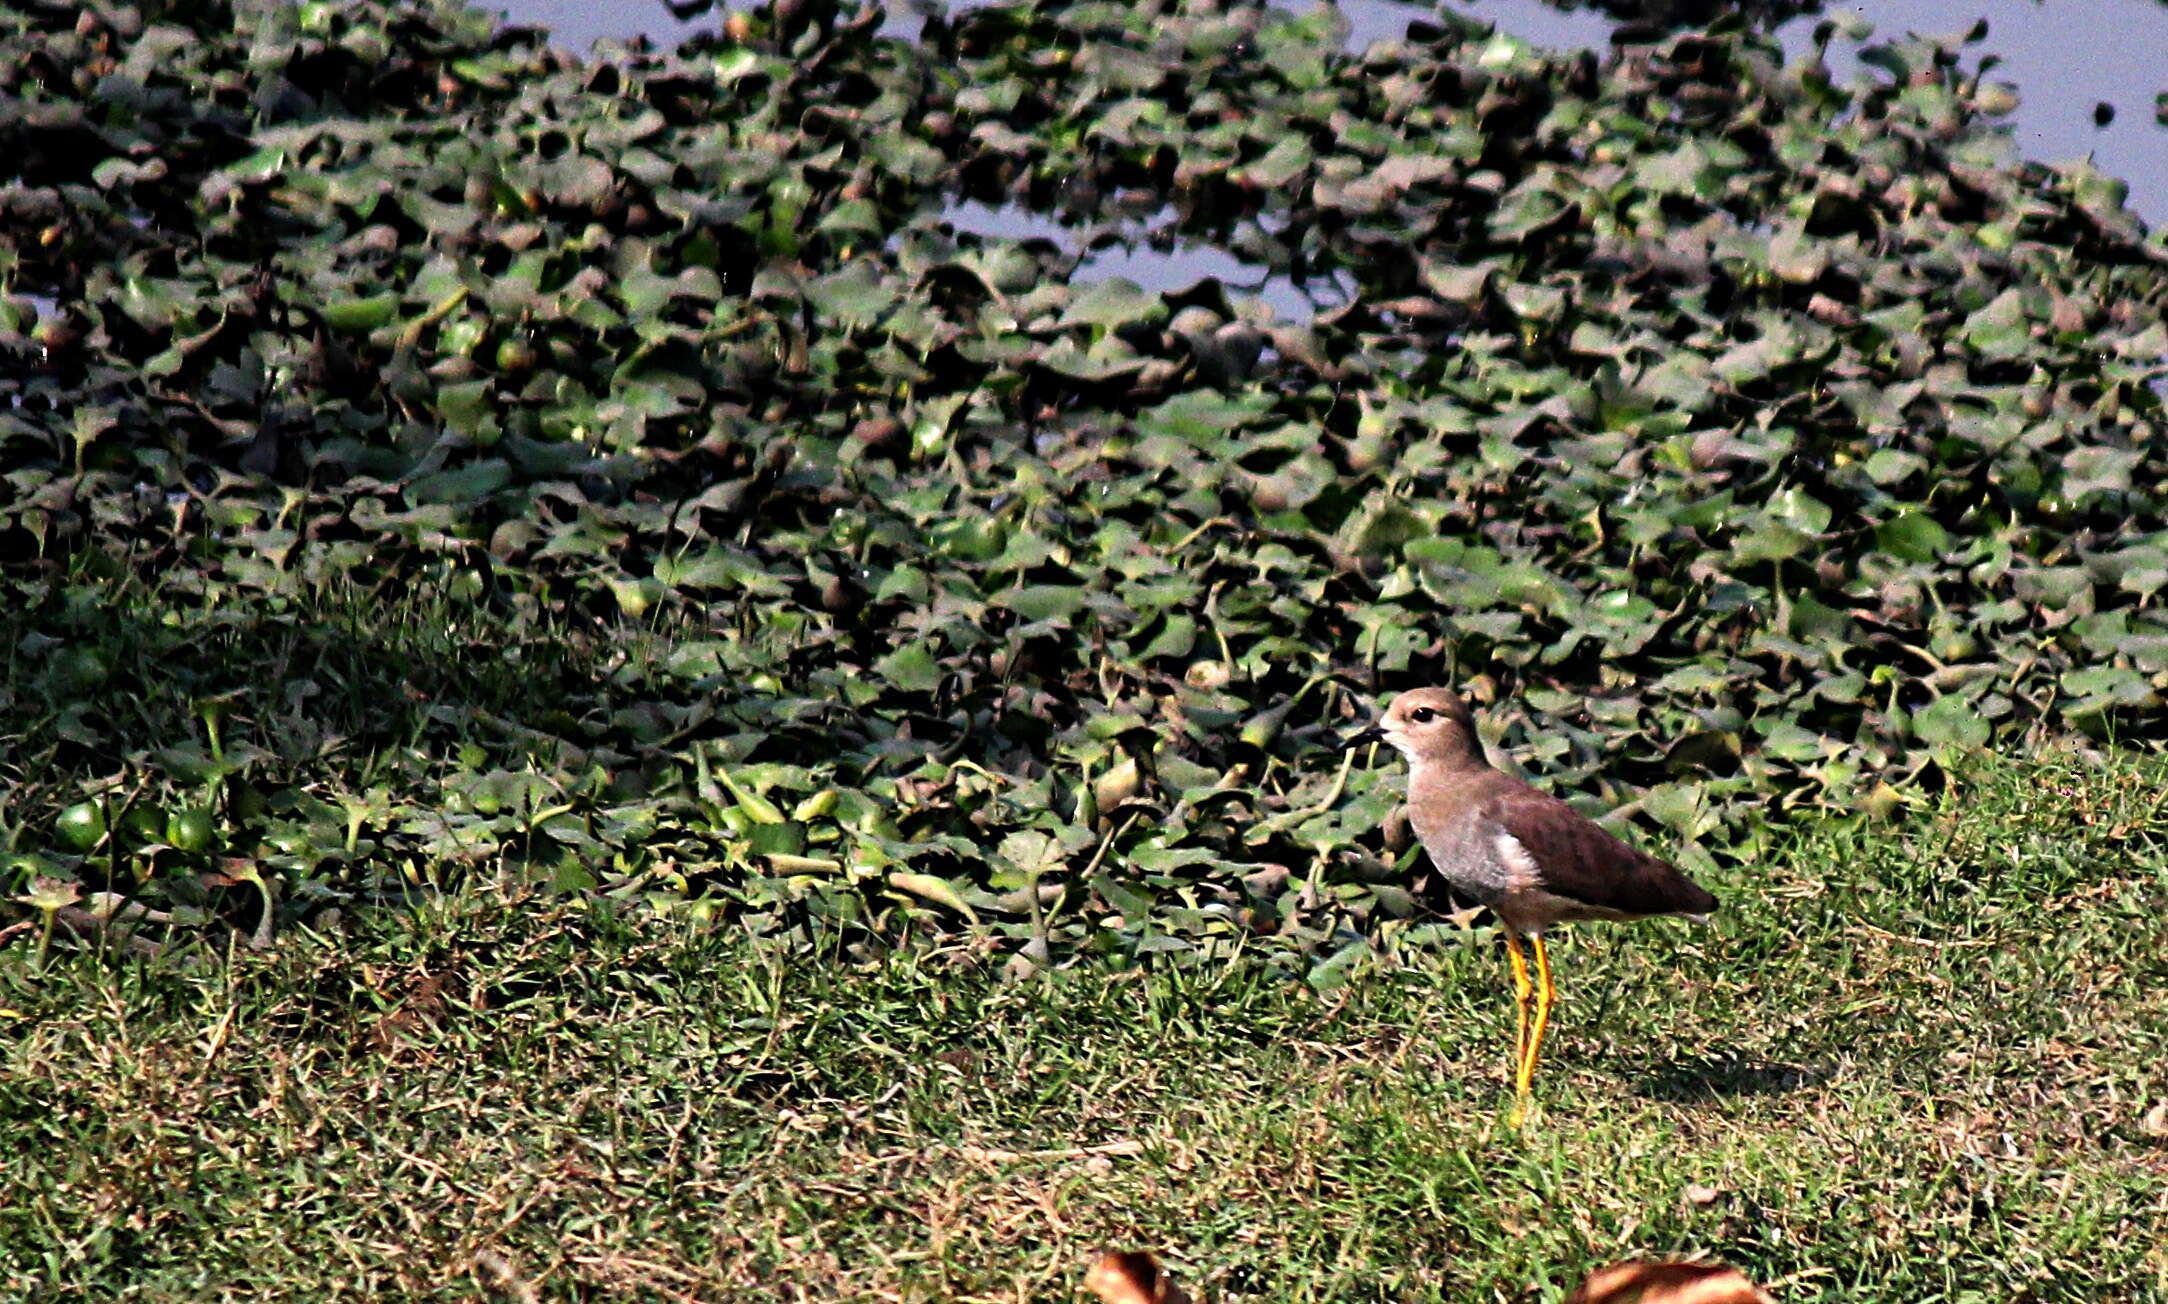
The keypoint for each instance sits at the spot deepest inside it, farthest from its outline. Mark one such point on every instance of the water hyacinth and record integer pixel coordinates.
(630, 456)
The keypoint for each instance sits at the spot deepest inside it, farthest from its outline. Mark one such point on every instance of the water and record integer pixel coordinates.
(1183, 265)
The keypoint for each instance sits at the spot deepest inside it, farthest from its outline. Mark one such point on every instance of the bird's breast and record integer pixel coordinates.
(1468, 855)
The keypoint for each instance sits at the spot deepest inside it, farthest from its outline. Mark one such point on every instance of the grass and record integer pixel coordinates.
(1917, 1062)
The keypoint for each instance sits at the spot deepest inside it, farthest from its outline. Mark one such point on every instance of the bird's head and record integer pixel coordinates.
(1429, 725)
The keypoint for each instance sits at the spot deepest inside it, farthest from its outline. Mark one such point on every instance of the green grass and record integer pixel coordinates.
(1911, 1063)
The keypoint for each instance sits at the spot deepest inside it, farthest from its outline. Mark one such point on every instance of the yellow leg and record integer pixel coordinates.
(1546, 993)
(1523, 992)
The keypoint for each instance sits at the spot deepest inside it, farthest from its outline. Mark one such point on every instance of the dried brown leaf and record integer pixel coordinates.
(1668, 1283)
(1132, 1277)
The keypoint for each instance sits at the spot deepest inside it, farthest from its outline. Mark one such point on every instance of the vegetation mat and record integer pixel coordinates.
(425, 453)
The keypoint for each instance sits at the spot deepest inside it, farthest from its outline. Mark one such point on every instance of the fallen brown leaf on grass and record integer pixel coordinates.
(1135, 1277)
(1132, 1277)
(1668, 1283)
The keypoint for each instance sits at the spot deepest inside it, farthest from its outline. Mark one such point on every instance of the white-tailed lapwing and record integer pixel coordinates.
(1531, 858)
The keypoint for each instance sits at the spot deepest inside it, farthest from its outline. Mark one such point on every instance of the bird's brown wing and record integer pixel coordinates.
(1577, 859)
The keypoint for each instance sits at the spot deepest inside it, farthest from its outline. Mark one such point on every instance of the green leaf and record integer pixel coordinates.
(359, 316)
(856, 296)
(464, 487)
(1104, 360)
(1912, 535)
(1043, 601)
(1951, 722)
(910, 668)
(2106, 688)
(1032, 850)
(1770, 541)
(2099, 469)
(1286, 160)
(1113, 303)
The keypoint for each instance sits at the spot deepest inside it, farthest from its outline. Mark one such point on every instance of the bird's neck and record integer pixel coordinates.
(1442, 789)
(1447, 768)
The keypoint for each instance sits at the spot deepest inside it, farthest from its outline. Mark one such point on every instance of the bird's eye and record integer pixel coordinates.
(1422, 715)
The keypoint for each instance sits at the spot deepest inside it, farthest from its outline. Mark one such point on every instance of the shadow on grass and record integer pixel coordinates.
(1731, 1075)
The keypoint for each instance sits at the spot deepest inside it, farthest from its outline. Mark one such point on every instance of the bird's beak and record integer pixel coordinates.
(1373, 734)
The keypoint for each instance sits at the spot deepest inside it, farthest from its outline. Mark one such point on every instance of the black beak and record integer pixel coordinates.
(1371, 735)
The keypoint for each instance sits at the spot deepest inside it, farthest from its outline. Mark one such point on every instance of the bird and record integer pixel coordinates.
(1528, 856)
